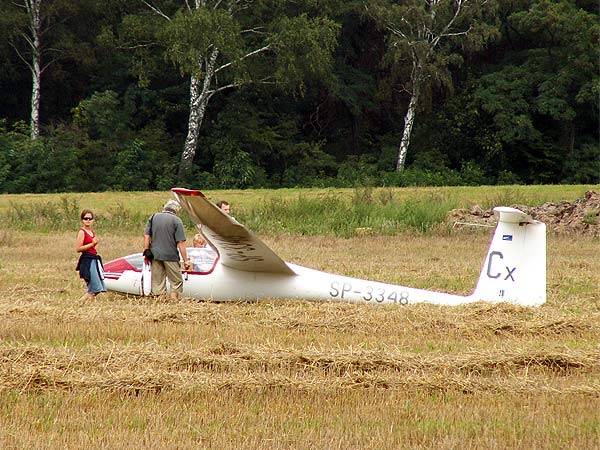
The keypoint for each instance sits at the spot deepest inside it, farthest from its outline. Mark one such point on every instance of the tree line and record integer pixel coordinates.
(147, 94)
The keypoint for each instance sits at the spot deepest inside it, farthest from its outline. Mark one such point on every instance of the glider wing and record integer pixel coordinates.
(238, 247)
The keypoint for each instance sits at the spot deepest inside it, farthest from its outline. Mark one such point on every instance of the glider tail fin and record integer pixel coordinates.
(514, 269)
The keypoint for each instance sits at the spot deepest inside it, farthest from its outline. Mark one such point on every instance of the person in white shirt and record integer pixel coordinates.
(201, 255)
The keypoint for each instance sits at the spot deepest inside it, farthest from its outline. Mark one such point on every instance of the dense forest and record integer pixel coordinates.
(148, 94)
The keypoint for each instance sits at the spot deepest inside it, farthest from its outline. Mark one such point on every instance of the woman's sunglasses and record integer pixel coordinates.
(88, 218)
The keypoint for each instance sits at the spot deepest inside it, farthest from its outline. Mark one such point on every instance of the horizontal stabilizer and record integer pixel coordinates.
(512, 215)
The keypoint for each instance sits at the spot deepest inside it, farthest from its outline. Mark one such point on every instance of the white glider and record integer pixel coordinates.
(239, 266)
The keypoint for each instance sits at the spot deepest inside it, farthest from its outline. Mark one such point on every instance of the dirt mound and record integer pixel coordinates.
(579, 217)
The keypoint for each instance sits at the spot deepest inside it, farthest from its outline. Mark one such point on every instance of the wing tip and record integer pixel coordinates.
(189, 192)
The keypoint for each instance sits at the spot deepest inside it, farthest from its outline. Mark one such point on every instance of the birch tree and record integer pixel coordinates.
(33, 56)
(42, 33)
(225, 44)
(425, 36)
(35, 66)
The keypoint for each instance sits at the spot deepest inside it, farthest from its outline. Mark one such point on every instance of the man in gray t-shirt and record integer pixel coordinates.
(164, 235)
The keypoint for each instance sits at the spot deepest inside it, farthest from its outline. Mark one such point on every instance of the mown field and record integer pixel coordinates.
(125, 372)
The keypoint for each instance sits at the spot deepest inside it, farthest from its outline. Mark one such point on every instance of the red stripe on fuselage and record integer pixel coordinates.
(117, 267)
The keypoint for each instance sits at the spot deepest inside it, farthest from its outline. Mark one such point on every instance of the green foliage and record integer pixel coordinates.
(67, 159)
(132, 169)
(507, 177)
(517, 108)
(310, 165)
(192, 35)
(426, 39)
(276, 152)
(303, 47)
(9, 142)
(421, 177)
(506, 98)
(353, 87)
(356, 171)
(472, 175)
(583, 165)
(535, 97)
(233, 167)
(102, 116)
(48, 164)
(112, 155)
(138, 32)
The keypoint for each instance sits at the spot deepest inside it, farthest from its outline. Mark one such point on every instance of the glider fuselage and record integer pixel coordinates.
(227, 284)
(243, 267)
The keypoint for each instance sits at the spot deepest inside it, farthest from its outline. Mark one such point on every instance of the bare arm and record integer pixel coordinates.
(147, 241)
(183, 251)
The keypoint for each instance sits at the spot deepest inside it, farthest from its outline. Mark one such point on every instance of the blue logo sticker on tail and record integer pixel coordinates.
(507, 237)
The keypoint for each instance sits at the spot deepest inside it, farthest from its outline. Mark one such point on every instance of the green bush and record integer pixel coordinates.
(133, 167)
(233, 168)
(421, 177)
(471, 174)
(507, 177)
(357, 171)
(47, 164)
(582, 166)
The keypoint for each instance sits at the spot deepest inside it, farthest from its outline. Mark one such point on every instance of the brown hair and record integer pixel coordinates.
(84, 212)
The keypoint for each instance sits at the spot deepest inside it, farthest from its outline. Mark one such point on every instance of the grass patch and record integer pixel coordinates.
(63, 214)
(327, 216)
(592, 217)
(363, 213)
(331, 212)
(6, 238)
(49, 216)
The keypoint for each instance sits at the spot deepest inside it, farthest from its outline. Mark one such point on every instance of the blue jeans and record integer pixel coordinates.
(96, 283)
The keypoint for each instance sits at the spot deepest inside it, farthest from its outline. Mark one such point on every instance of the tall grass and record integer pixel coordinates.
(329, 212)
(63, 214)
(363, 213)
(57, 215)
(329, 215)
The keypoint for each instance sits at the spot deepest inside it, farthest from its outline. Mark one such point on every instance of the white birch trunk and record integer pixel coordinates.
(194, 122)
(199, 97)
(33, 8)
(35, 100)
(409, 120)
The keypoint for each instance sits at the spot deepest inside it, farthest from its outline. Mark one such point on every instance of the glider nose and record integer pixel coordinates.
(124, 274)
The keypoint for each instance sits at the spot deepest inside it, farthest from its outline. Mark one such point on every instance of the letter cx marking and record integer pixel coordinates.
(510, 273)
(489, 268)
